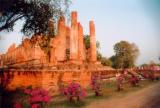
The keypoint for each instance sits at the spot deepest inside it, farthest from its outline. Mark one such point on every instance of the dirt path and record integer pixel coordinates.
(146, 98)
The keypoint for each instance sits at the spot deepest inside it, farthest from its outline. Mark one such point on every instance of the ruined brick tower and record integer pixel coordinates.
(66, 47)
(72, 39)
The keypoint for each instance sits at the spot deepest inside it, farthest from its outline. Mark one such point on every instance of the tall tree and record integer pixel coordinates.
(37, 16)
(125, 54)
(35, 13)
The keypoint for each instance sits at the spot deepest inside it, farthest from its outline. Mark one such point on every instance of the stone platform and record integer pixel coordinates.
(52, 79)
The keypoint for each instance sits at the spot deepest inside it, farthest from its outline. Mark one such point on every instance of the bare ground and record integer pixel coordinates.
(148, 97)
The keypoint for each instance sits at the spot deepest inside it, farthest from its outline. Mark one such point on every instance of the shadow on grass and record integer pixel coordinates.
(6, 98)
(67, 104)
(81, 104)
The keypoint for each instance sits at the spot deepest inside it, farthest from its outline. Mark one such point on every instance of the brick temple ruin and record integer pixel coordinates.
(67, 47)
(70, 60)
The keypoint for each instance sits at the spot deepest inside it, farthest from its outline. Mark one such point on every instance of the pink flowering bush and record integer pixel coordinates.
(74, 90)
(149, 75)
(119, 81)
(134, 80)
(37, 97)
(33, 98)
(96, 85)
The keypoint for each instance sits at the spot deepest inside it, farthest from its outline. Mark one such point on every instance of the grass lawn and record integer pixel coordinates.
(109, 92)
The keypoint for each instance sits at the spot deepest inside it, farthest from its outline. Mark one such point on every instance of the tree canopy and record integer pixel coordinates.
(125, 54)
(105, 61)
(87, 42)
(35, 13)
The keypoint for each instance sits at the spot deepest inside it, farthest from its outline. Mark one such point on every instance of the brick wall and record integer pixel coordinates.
(49, 80)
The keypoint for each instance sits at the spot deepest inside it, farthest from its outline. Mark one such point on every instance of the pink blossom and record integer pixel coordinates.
(35, 92)
(35, 106)
(46, 99)
(43, 92)
(37, 98)
(83, 93)
(27, 91)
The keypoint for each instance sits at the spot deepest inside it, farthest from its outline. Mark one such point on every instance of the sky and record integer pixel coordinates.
(136, 21)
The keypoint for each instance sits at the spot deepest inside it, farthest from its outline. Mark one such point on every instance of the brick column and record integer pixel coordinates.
(61, 46)
(81, 51)
(74, 37)
(93, 51)
(68, 33)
